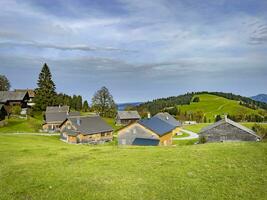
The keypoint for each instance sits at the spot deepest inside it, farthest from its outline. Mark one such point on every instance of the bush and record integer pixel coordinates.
(15, 110)
(260, 130)
(202, 139)
(196, 99)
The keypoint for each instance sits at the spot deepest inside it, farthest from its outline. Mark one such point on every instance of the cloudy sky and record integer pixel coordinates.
(139, 49)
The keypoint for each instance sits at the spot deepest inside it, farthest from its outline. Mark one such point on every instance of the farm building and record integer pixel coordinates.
(55, 115)
(31, 95)
(127, 117)
(86, 129)
(228, 130)
(12, 98)
(170, 120)
(3, 112)
(155, 131)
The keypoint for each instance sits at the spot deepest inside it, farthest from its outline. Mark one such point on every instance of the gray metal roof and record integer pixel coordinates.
(168, 118)
(229, 121)
(128, 115)
(55, 117)
(12, 96)
(90, 124)
(157, 125)
(74, 113)
(57, 109)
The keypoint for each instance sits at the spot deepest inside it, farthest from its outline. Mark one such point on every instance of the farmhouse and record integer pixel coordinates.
(55, 115)
(155, 131)
(166, 117)
(127, 117)
(228, 130)
(12, 98)
(31, 93)
(86, 129)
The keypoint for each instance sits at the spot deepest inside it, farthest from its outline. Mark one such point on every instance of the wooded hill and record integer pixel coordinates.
(204, 106)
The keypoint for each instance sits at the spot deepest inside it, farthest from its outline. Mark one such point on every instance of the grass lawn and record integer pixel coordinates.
(181, 136)
(30, 125)
(39, 167)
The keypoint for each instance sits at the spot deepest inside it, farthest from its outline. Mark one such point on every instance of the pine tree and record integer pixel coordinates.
(85, 106)
(45, 93)
(79, 103)
(4, 83)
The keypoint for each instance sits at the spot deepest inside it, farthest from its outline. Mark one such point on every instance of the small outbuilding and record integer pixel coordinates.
(127, 117)
(86, 129)
(228, 130)
(12, 98)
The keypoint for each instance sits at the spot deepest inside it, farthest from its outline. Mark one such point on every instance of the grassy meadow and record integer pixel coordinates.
(213, 105)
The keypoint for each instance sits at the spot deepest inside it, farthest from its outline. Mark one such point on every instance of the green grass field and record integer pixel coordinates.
(213, 105)
(43, 167)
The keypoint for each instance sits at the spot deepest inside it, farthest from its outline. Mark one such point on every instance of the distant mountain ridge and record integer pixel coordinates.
(260, 97)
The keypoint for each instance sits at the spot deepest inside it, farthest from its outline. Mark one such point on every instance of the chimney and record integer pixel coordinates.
(148, 115)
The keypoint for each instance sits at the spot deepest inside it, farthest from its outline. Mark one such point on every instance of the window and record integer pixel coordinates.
(103, 134)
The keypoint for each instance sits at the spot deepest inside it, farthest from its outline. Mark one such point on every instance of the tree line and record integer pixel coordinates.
(46, 95)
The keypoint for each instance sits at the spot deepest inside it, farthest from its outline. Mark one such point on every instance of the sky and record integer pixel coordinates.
(140, 50)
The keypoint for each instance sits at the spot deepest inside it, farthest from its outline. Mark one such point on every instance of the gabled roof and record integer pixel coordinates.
(157, 125)
(168, 118)
(128, 114)
(12, 96)
(229, 121)
(30, 92)
(90, 124)
(2, 106)
(74, 113)
(57, 109)
(55, 117)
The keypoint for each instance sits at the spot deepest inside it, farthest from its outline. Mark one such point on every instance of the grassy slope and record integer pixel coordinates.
(213, 105)
(39, 167)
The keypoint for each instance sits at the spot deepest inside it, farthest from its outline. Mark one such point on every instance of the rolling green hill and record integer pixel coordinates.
(212, 105)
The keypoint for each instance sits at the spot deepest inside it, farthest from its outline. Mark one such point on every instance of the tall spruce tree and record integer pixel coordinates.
(45, 93)
(85, 106)
(79, 103)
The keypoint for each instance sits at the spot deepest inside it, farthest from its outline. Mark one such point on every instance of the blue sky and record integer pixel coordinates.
(139, 49)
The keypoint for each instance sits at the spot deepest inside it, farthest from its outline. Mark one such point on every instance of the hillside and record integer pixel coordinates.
(260, 97)
(212, 105)
(41, 167)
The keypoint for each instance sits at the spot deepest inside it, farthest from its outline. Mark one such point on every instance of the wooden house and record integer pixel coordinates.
(12, 98)
(31, 93)
(127, 117)
(228, 130)
(155, 131)
(55, 115)
(86, 129)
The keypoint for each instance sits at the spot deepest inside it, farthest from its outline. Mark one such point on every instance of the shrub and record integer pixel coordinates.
(196, 99)
(202, 139)
(15, 110)
(260, 130)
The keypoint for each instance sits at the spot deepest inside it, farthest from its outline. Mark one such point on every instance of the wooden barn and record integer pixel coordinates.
(228, 130)
(31, 93)
(86, 129)
(149, 132)
(127, 117)
(55, 115)
(12, 98)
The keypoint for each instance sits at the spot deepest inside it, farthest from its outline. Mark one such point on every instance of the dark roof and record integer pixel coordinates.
(30, 92)
(157, 125)
(128, 114)
(90, 124)
(55, 117)
(227, 120)
(74, 113)
(12, 96)
(168, 118)
(146, 142)
(57, 109)
(2, 106)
